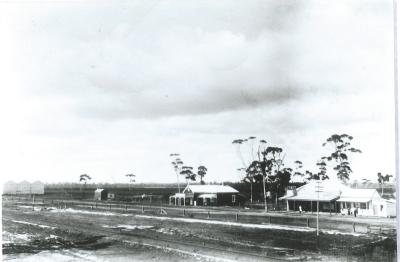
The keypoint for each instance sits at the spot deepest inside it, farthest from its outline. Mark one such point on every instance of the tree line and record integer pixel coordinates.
(265, 164)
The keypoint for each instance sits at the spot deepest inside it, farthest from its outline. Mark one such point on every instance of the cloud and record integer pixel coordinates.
(115, 87)
(153, 66)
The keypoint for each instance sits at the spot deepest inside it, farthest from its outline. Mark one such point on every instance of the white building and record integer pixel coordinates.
(23, 188)
(206, 195)
(368, 202)
(100, 194)
(324, 192)
(10, 188)
(37, 188)
(335, 197)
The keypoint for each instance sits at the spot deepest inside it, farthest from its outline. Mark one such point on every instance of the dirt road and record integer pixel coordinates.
(74, 234)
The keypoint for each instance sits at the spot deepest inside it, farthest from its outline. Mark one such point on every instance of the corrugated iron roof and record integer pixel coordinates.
(358, 195)
(354, 199)
(212, 189)
(358, 192)
(330, 190)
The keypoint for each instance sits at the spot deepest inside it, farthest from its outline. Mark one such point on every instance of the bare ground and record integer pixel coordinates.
(104, 236)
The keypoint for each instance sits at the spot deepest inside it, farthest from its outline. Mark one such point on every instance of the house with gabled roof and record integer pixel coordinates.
(324, 192)
(368, 202)
(335, 197)
(207, 195)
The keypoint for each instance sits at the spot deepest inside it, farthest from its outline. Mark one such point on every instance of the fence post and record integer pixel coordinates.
(142, 209)
(184, 212)
(110, 206)
(237, 217)
(269, 219)
(208, 214)
(308, 222)
(126, 207)
(354, 227)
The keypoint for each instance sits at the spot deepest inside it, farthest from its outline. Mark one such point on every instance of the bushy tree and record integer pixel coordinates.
(298, 169)
(201, 172)
(187, 172)
(248, 160)
(340, 156)
(382, 179)
(279, 181)
(321, 174)
(84, 178)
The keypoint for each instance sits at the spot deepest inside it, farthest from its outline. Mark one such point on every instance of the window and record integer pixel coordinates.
(363, 205)
(233, 198)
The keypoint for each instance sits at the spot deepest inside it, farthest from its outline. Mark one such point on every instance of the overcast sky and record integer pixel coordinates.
(110, 89)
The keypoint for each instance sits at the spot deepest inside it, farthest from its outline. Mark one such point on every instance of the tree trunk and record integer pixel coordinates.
(177, 179)
(251, 192)
(265, 196)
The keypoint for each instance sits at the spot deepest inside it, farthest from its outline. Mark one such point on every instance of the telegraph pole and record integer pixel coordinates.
(396, 114)
(318, 188)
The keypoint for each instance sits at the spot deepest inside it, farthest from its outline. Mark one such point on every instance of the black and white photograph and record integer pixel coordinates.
(199, 130)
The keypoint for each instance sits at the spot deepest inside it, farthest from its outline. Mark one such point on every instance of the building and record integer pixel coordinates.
(100, 194)
(207, 195)
(10, 188)
(24, 188)
(336, 197)
(37, 188)
(325, 192)
(368, 203)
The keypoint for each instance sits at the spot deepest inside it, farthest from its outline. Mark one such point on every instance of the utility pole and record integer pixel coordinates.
(396, 113)
(318, 189)
(265, 197)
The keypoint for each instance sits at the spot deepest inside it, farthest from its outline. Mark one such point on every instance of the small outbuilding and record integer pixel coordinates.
(100, 194)
(207, 195)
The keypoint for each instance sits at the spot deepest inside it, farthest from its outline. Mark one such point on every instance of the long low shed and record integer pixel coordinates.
(23, 188)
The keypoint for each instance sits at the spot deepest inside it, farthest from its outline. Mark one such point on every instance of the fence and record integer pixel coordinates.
(226, 214)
